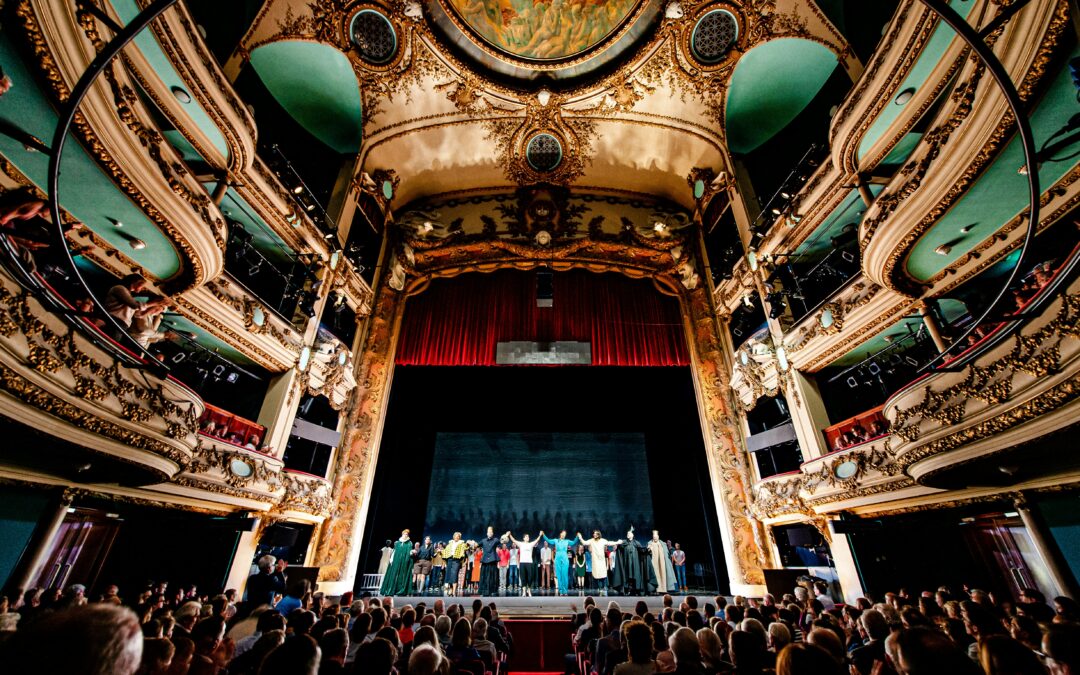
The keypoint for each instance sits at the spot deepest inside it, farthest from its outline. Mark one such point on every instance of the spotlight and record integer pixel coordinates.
(299, 189)
(873, 368)
(776, 211)
(852, 382)
(847, 256)
(911, 361)
(179, 356)
(255, 268)
(232, 377)
(219, 370)
(309, 207)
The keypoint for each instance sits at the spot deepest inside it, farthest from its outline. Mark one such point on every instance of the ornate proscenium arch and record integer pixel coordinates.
(672, 269)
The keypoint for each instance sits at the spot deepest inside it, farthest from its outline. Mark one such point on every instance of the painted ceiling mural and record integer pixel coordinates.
(544, 29)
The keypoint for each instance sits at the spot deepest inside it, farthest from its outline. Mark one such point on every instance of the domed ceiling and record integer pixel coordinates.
(543, 40)
(543, 30)
(624, 97)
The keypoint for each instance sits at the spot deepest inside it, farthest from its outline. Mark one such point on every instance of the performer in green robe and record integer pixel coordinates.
(398, 577)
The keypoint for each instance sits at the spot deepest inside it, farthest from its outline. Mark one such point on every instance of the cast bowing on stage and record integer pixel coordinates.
(625, 566)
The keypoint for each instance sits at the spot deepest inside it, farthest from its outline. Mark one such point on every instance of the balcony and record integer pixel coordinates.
(67, 376)
(1018, 388)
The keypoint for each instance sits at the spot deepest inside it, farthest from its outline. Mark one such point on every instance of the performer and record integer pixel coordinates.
(438, 567)
(398, 579)
(581, 568)
(504, 565)
(513, 580)
(678, 561)
(454, 553)
(489, 561)
(476, 560)
(384, 559)
(562, 559)
(597, 547)
(631, 574)
(545, 565)
(661, 564)
(525, 561)
(422, 568)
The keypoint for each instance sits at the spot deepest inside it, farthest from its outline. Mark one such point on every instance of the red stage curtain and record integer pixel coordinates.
(459, 321)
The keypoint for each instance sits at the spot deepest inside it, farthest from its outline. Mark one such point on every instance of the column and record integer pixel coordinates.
(846, 568)
(808, 414)
(240, 568)
(932, 326)
(1045, 548)
(279, 409)
(37, 550)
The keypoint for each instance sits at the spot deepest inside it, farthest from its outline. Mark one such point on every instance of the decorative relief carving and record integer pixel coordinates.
(59, 356)
(246, 306)
(850, 299)
(1036, 354)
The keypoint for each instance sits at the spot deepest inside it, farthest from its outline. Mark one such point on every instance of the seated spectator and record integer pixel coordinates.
(157, 656)
(252, 659)
(427, 660)
(639, 650)
(806, 659)
(461, 650)
(712, 652)
(481, 644)
(747, 652)
(1002, 655)
(1061, 644)
(94, 639)
(299, 655)
(334, 645)
(686, 652)
(921, 650)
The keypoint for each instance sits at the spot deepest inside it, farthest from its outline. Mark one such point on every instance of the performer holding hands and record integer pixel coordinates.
(525, 561)
(597, 548)
(562, 560)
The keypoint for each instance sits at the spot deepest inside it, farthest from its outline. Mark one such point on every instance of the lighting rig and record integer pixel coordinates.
(887, 361)
(207, 363)
(783, 203)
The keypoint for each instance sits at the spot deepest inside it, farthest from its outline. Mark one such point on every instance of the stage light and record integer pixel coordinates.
(752, 260)
(776, 211)
(255, 269)
(232, 377)
(747, 300)
(309, 207)
(852, 382)
(299, 189)
(911, 361)
(219, 370)
(179, 356)
(873, 368)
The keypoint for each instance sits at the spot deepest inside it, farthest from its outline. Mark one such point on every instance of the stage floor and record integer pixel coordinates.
(549, 606)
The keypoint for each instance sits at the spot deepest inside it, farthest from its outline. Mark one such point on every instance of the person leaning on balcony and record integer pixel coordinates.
(120, 301)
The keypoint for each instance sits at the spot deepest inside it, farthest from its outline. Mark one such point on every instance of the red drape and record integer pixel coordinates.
(459, 321)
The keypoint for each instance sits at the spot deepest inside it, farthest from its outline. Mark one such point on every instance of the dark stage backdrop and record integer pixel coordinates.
(657, 404)
(525, 482)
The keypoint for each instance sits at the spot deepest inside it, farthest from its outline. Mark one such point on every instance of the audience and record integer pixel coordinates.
(178, 632)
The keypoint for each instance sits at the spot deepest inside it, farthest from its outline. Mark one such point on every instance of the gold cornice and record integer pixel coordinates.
(894, 274)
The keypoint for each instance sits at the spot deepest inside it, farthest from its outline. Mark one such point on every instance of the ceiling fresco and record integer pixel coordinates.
(544, 29)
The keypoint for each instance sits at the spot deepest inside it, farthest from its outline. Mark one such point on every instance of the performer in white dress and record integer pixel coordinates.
(597, 548)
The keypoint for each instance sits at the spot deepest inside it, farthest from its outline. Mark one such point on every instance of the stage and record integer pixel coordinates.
(549, 606)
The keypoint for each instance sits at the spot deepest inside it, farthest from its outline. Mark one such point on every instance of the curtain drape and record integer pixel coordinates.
(459, 321)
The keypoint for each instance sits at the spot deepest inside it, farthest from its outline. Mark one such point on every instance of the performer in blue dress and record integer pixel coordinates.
(562, 560)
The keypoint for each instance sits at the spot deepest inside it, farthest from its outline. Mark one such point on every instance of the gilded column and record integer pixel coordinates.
(745, 549)
(342, 533)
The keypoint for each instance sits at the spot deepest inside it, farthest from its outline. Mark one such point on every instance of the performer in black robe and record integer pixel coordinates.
(632, 574)
(489, 561)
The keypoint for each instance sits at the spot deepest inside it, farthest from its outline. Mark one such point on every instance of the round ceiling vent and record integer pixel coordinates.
(544, 152)
(713, 35)
(373, 36)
